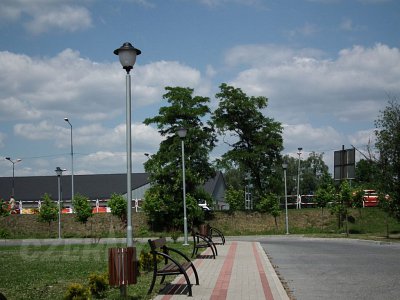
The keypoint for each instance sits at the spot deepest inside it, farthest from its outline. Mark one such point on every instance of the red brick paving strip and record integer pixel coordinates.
(221, 287)
(263, 276)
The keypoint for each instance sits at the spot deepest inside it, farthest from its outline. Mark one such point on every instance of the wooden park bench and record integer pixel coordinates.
(171, 264)
(212, 233)
(201, 241)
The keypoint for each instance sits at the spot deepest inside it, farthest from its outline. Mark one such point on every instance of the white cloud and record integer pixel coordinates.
(310, 137)
(363, 137)
(351, 87)
(91, 91)
(151, 79)
(47, 15)
(267, 55)
(41, 131)
(65, 18)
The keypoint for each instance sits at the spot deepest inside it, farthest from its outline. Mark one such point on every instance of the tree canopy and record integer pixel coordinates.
(388, 143)
(255, 141)
(165, 167)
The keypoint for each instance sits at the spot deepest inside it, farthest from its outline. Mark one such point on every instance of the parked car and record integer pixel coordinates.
(204, 206)
(370, 198)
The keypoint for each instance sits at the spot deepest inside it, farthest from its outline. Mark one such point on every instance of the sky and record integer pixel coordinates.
(327, 67)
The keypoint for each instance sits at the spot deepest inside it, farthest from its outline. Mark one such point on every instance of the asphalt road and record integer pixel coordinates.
(336, 268)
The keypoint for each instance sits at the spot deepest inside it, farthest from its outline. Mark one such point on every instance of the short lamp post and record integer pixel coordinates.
(13, 174)
(182, 134)
(59, 172)
(284, 167)
(127, 57)
(72, 164)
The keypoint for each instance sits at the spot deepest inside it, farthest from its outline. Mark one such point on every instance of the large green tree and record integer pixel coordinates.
(165, 167)
(255, 141)
(366, 173)
(388, 143)
(313, 173)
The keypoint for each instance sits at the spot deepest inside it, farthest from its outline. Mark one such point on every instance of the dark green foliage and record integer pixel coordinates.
(166, 211)
(4, 234)
(48, 210)
(324, 195)
(164, 200)
(257, 140)
(367, 173)
(4, 211)
(357, 199)
(270, 204)
(313, 172)
(388, 143)
(118, 206)
(82, 208)
(235, 199)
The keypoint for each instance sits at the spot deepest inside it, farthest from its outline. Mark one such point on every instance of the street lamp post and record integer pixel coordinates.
(298, 179)
(59, 172)
(72, 165)
(127, 57)
(13, 176)
(284, 166)
(182, 134)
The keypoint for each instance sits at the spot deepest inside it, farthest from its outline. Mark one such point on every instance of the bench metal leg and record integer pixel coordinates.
(153, 281)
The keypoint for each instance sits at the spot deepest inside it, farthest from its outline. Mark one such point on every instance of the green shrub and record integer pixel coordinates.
(48, 210)
(146, 260)
(175, 235)
(118, 205)
(77, 291)
(4, 234)
(98, 284)
(82, 208)
(143, 232)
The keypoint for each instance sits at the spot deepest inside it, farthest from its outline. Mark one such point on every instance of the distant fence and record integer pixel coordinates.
(304, 201)
(33, 207)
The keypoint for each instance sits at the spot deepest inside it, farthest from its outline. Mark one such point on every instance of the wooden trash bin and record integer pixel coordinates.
(203, 230)
(122, 266)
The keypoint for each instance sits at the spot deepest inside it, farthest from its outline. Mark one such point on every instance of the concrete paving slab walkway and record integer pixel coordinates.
(241, 270)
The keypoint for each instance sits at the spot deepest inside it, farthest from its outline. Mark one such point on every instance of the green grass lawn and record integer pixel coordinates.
(45, 272)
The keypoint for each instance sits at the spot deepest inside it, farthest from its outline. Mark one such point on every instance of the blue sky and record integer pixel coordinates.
(327, 66)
